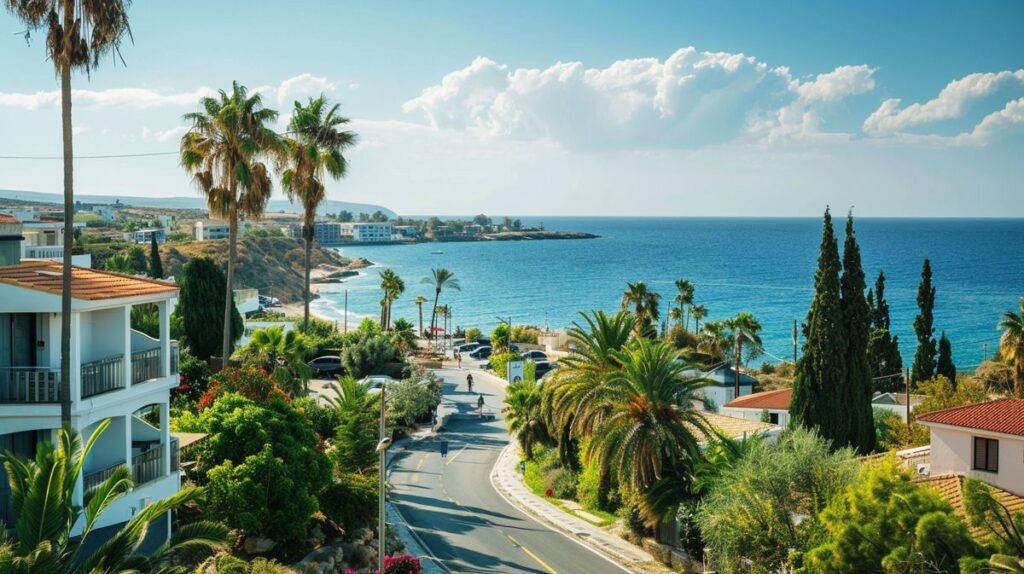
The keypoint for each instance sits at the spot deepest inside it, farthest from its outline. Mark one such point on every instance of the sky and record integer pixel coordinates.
(685, 108)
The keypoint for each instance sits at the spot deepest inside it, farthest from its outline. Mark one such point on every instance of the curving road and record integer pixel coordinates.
(458, 515)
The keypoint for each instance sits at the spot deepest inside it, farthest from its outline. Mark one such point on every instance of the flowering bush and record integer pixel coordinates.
(404, 564)
(250, 382)
(193, 382)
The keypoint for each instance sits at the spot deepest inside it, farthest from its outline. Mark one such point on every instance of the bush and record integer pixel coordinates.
(524, 334)
(249, 382)
(410, 400)
(355, 440)
(372, 353)
(323, 419)
(403, 564)
(681, 338)
(351, 501)
(499, 364)
(194, 380)
(473, 334)
(499, 337)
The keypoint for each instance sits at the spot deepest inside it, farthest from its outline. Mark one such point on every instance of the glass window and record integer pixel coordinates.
(986, 454)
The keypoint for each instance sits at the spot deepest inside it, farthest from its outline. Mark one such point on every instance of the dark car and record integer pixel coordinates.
(327, 365)
(535, 355)
(467, 348)
(544, 367)
(481, 352)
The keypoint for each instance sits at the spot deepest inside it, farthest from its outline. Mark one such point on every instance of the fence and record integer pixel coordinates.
(29, 385)
(102, 376)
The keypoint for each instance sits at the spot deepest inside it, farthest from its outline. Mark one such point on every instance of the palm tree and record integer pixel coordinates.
(224, 151)
(698, 312)
(684, 298)
(713, 340)
(393, 287)
(644, 304)
(1011, 346)
(350, 395)
(523, 415)
(743, 326)
(42, 495)
(284, 355)
(420, 300)
(440, 278)
(119, 263)
(78, 34)
(314, 149)
(651, 432)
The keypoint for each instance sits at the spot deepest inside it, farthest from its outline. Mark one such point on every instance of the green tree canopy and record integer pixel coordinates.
(923, 367)
(156, 267)
(857, 326)
(201, 306)
(945, 367)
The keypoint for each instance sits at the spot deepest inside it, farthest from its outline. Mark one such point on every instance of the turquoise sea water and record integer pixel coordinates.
(765, 266)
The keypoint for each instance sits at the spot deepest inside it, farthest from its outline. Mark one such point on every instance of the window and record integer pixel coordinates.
(986, 454)
(773, 418)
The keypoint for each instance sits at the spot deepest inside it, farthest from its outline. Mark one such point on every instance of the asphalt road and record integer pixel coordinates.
(458, 515)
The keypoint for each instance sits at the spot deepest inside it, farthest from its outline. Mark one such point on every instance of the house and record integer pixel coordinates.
(324, 232)
(117, 374)
(721, 386)
(105, 212)
(207, 230)
(983, 440)
(45, 240)
(407, 231)
(146, 235)
(896, 403)
(773, 405)
(368, 232)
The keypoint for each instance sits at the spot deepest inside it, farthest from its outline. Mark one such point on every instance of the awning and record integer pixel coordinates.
(187, 438)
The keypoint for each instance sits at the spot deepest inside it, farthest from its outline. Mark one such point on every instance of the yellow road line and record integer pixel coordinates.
(534, 556)
(456, 455)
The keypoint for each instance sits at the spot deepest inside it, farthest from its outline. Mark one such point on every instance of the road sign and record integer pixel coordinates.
(516, 370)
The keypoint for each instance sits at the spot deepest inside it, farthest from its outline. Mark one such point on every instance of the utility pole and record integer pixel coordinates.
(346, 310)
(794, 342)
(984, 353)
(907, 397)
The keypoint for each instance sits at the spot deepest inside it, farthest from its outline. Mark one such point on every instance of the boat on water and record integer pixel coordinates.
(437, 252)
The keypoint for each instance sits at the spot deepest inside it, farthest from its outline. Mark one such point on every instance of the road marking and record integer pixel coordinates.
(415, 478)
(419, 465)
(532, 555)
(456, 455)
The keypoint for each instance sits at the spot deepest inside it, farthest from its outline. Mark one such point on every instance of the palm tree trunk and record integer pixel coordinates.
(736, 367)
(420, 305)
(309, 263)
(229, 291)
(433, 317)
(69, 235)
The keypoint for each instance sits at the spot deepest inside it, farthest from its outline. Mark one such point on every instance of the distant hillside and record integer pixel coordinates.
(329, 206)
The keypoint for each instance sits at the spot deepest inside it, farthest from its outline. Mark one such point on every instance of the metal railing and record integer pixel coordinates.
(146, 365)
(148, 465)
(91, 481)
(102, 376)
(29, 385)
(175, 357)
(175, 454)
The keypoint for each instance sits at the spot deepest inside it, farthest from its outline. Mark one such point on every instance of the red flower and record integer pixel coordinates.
(549, 492)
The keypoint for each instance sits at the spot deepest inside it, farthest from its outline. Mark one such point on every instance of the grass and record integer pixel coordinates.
(85, 217)
(535, 481)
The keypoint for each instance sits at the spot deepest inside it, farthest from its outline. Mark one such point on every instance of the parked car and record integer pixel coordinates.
(329, 365)
(544, 367)
(467, 348)
(481, 352)
(375, 383)
(535, 355)
(268, 301)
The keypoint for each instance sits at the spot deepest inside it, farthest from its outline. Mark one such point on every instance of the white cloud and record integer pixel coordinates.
(802, 119)
(952, 103)
(172, 134)
(301, 86)
(131, 98)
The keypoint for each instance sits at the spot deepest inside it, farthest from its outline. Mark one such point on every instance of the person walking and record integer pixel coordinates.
(458, 358)
(469, 381)
(444, 449)
(480, 404)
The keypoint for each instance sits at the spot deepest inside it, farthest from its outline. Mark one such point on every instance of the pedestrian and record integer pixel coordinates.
(444, 449)
(480, 404)
(469, 381)
(458, 357)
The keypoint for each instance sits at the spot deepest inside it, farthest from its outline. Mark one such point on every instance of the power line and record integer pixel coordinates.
(113, 156)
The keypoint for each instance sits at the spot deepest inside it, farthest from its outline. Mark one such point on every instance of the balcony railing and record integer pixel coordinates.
(102, 376)
(148, 465)
(29, 385)
(91, 481)
(175, 358)
(146, 365)
(175, 454)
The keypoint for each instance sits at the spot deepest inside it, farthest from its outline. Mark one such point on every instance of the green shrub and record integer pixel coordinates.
(372, 353)
(323, 419)
(410, 400)
(351, 501)
(194, 380)
(499, 337)
(499, 364)
(524, 334)
(473, 334)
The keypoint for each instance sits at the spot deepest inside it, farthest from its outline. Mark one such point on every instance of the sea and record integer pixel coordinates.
(762, 265)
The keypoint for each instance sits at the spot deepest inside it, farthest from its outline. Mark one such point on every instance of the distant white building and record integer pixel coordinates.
(45, 240)
(721, 387)
(407, 231)
(165, 221)
(367, 232)
(105, 212)
(207, 230)
(22, 213)
(896, 403)
(146, 235)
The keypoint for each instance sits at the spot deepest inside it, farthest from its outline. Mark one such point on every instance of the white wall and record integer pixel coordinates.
(755, 414)
(103, 334)
(953, 452)
(110, 448)
(721, 395)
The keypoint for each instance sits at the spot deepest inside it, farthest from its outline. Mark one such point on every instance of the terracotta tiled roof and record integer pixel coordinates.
(6, 218)
(778, 399)
(87, 284)
(735, 427)
(951, 488)
(1003, 416)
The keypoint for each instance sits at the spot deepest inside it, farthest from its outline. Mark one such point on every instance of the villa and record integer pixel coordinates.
(117, 373)
(770, 405)
(207, 230)
(146, 235)
(721, 386)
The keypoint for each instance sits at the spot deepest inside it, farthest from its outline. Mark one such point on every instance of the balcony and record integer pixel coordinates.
(29, 385)
(148, 465)
(102, 376)
(91, 481)
(147, 365)
(175, 358)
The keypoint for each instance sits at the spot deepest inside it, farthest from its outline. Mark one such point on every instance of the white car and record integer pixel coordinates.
(535, 355)
(375, 383)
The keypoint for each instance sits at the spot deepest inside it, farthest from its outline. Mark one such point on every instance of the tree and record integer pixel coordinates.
(440, 278)
(420, 300)
(856, 322)
(393, 287)
(1011, 346)
(524, 417)
(200, 306)
(819, 384)
(883, 348)
(42, 496)
(684, 299)
(283, 355)
(944, 366)
(743, 327)
(314, 149)
(884, 522)
(698, 312)
(1002, 528)
(713, 340)
(500, 337)
(119, 263)
(224, 152)
(644, 305)
(371, 354)
(78, 34)
(923, 367)
(156, 268)
(481, 219)
(356, 436)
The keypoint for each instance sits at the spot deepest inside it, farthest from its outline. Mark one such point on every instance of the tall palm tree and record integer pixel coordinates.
(42, 495)
(644, 304)
(315, 148)
(651, 431)
(78, 34)
(284, 355)
(420, 300)
(441, 279)
(698, 312)
(393, 287)
(524, 417)
(713, 340)
(684, 297)
(119, 263)
(1011, 346)
(743, 327)
(224, 151)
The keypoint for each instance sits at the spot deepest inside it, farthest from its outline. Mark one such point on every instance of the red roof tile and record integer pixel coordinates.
(1003, 416)
(778, 400)
(5, 218)
(87, 284)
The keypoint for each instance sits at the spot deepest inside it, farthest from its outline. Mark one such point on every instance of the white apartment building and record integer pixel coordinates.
(42, 240)
(206, 230)
(106, 212)
(324, 232)
(366, 232)
(117, 373)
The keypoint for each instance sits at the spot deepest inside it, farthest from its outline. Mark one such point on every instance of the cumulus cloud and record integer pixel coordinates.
(300, 87)
(953, 102)
(803, 119)
(172, 134)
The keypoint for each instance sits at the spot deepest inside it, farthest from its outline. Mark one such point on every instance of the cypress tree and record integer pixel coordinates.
(883, 349)
(156, 268)
(945, 366)
(856, 317)
(924, 359)
(201, 306)
(818, 390)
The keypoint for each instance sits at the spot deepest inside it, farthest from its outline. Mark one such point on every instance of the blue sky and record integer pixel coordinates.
(641, 108)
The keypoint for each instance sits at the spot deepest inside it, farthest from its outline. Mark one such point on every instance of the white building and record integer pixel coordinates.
(773, 405)
(983, 441)
(22, 213)
(146, 235)
(366, 232)
(43, 240)
(206, 230)
(106, 212)
(117, 374)
(896, 403)
(721, 386)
